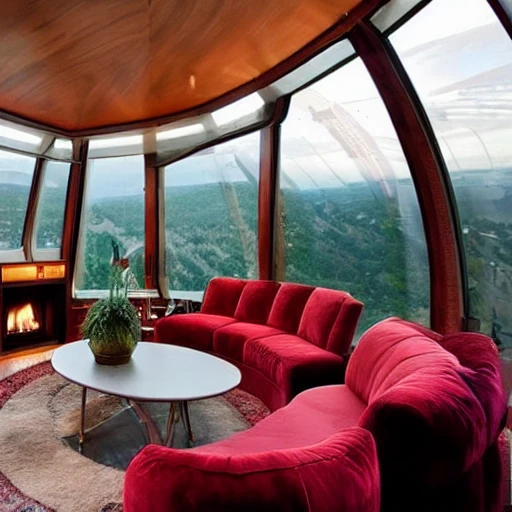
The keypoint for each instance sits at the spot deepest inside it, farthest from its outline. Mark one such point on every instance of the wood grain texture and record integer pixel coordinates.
(270, 139)
(80, 64)
(151, 224)
(427, 171)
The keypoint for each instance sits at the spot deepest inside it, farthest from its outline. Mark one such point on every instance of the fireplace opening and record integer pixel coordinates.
(23, 319)
(32, 315)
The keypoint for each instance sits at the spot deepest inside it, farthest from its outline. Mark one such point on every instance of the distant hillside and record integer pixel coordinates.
(350, 238)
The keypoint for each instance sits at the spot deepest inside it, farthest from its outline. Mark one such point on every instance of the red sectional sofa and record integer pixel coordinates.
(284, 337)
(433, 404)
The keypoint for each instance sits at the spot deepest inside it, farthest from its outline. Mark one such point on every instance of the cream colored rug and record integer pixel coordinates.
(37, 462)
(40, 413)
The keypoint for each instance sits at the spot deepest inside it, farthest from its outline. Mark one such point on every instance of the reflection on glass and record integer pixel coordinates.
(350, 214)
(211, 214)
(52, 201)
(113, 231)
(461, 66)
(16, 173)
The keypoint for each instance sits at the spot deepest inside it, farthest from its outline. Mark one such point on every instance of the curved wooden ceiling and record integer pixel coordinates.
(85, 64)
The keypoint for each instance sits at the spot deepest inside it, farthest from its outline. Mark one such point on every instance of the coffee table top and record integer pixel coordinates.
(156, 372)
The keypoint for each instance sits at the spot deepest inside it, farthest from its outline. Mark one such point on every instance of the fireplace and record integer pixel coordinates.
(23, 319)
(32, 315)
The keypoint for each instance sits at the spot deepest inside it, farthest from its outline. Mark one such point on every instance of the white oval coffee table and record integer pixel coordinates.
(156, 373)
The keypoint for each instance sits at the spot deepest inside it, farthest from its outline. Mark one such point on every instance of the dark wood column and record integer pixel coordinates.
(74, 206)
(33, 201)
(153, 224)
(433, 187)
(268, 193)
(71, 233)
(504, 13)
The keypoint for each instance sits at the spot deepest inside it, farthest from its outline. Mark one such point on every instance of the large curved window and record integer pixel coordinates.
(16, 174)
(52, 201)
(461, 66)
(211, 214)
(350, 214)
(113, 223)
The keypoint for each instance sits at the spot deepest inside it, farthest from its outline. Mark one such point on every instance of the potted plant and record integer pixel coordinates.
(112, 324)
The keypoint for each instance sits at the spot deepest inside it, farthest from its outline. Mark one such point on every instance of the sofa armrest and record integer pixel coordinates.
(429, 430)
(340, 473)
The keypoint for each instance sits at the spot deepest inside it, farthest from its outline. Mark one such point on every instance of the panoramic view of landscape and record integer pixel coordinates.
(349, 215)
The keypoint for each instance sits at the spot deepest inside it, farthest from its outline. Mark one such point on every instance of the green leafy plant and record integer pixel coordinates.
(112, 324)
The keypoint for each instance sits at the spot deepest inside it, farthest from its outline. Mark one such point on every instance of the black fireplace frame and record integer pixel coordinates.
(51, 300)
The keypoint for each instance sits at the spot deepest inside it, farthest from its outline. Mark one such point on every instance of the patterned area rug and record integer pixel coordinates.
(40, 468)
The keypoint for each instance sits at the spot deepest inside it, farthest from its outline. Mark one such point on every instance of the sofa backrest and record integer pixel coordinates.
(433, 411)
(391, 351)
(330, 319)
(256, 301)
(288, 306)
(222, 296)
(326, 318)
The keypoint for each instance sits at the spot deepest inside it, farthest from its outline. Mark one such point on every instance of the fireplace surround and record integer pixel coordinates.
(32, 309)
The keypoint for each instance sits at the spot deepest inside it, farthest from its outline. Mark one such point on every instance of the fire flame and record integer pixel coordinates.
(21, 319)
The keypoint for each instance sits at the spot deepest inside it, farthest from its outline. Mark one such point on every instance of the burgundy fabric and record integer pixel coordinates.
(293, 363)
(340, 473)
(330, 319)
(433, 413)
(390, 351)
(222, 296)
(288, 306)
(482, 373)
(257, 384)
(236, 310)
(194, 330)
(230, 340)
(256, 301)
(309, 418)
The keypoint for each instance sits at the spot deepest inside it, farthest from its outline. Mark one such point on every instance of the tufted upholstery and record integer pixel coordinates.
(339, 473)
(284, 337)
(433, 404)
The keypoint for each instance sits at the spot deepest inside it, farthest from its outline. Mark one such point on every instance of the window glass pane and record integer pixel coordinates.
(211, 214)
(461, 66)
(16, 173)
(52, 201)
(350, 214)
(113, 225)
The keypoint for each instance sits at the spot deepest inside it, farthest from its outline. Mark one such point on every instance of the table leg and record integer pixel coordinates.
(170, 423)
(81, 435)
(186, 420)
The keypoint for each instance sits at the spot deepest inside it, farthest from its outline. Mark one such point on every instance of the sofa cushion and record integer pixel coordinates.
(288, 306)
(229, 341)
(309, 418)
(256, 301)
(293, 363)
(390, 351)
(194, 330)
(330, 319)
(340, 473)
(222, 296)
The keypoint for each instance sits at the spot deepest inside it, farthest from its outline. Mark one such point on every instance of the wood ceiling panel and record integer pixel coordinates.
(83, 64)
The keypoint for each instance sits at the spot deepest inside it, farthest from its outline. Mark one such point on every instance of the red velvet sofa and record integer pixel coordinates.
(433, 404)
(283, 337)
